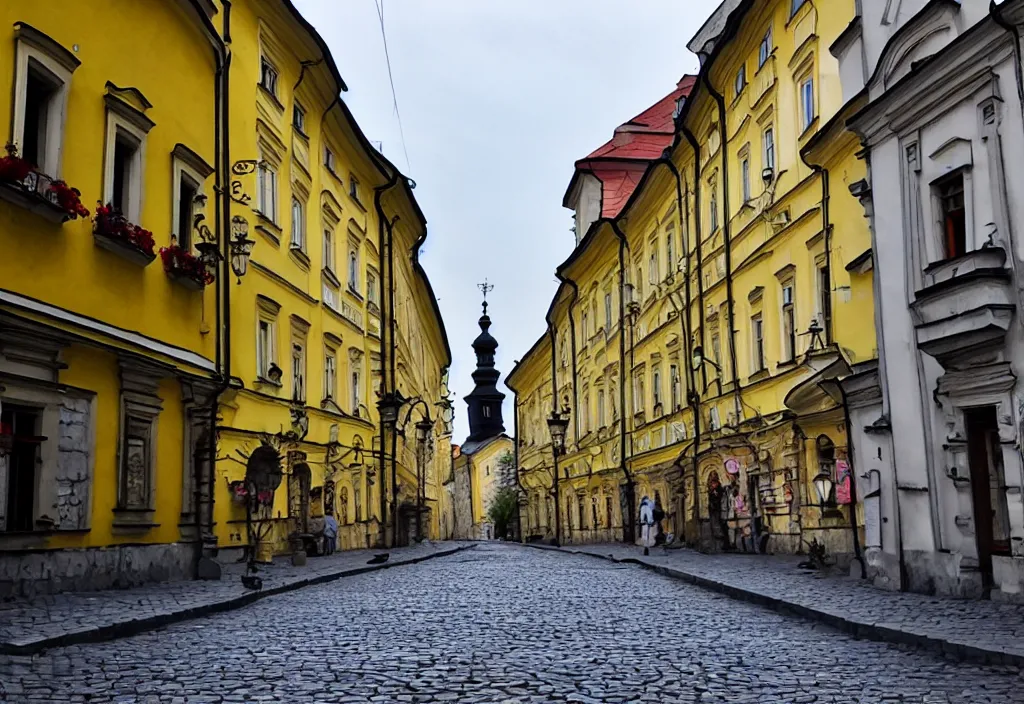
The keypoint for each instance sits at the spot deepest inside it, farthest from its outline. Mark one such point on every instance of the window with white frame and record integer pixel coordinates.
(638, 393)
(266, 337)
(299, 117)
(353, 270)
(653, 266)
(189, 171)
(124, 158)
(766, 48)
(768, 148)
(807, 107)
(788, 322)
(353, 188)
(715, 422)
(298, 224)
(328, 250)
(745, 175)
(372, 287)
(268, 76)
(266, 190)
(330, 373)
(356, 389)
(741, 80)
(329, 159)
(42, 81)
(757, 342)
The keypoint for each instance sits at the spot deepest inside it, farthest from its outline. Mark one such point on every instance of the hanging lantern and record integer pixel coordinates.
(241, 246)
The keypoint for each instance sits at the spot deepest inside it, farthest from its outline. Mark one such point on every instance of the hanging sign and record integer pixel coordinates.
(732, 466)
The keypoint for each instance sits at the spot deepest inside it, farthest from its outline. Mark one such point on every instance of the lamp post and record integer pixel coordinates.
(557, 424)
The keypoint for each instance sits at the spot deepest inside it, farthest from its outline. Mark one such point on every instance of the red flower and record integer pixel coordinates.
(69, 199)
(13, 168)
(178, 261)
(110, 222)
(265, 497)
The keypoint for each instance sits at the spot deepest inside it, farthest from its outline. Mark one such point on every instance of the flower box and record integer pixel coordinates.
(185, 268)
(25, 187)
(114, 233)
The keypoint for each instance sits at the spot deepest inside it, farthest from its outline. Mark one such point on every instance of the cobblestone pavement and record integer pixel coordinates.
(501, 623)
(974, 628)
(28, 625)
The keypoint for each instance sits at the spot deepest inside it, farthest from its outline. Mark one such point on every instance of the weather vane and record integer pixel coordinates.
(485, 288)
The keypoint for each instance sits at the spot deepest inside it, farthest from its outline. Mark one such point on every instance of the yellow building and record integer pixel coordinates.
(107, 362)
(732, 331)
(113, 363)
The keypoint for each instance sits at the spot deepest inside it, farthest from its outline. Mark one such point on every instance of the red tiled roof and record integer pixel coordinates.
(619, 162)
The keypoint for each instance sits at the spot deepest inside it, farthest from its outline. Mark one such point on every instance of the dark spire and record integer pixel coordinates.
(485, 401)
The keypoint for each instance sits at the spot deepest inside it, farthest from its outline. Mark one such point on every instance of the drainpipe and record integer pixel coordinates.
(629, 521)
(394, 382)
(378, 194)
(694, 394)
(554, 410)
(222, 287)
(572, 338)
(720, 101)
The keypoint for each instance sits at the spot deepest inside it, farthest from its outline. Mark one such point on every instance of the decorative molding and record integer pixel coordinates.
(52, 48)
(192, 160)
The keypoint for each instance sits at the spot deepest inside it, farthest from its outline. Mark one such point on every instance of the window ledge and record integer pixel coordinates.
(271, 97)
(762, 373)
(354, 293)
(263, 381)
(300, 256)
(810, 129)
(300, 133)
(331, 277)
(359, 203)
(787, 364)
(34, 202)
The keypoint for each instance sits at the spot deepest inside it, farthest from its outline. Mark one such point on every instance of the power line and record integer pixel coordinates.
(394, 96)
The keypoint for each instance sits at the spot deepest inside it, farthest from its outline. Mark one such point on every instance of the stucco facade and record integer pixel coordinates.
(938, 422)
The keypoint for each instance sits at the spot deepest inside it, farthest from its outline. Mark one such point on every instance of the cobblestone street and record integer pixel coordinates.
(500, 623)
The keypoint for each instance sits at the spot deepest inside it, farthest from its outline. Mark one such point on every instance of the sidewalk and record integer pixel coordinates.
(982, 631)
(30, 625)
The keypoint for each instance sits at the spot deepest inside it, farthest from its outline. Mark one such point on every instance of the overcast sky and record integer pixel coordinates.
(497, 101)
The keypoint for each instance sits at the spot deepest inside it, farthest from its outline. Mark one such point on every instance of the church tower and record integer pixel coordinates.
(485, 400)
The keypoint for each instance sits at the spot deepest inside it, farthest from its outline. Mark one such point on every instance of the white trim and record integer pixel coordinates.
(136, 177)
(56, 112)
(178, 169)
(176, 353)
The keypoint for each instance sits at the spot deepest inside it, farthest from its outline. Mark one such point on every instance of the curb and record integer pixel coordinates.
(130, 628)
(858, 629)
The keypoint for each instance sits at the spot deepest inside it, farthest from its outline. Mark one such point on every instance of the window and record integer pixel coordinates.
(601, 416)
(265, 347)
(745, 171)
(266, 194)
(652, 267)
(766, 48)
(42, 77)
(298, 371)
(329, 159)
(124, 158)
(677, 389)
(21, 425)
(357, 391)
(353, 188)
(807, 111)
(716, 348)
(639, 290)
(715, 422)
(954, 216)
(757, 336)
(788, 323)
(331, 374)
(714, 208)
(328, 250)
(741, 80)
(268, 76)
(353, 271)
(638, 393)
(330, 294)
(824, 295)
(670, 254)
(586, 412)
(371, 288)
(486, 410)
(656, 387)
(298, 118)
(608, 312)
(188, 190)
(584, 325)
(795, 5)
(298, 224)
(768, 143)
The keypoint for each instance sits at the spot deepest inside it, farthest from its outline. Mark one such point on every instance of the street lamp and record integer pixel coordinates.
(241, 246)
(823, 484)
(557, 425)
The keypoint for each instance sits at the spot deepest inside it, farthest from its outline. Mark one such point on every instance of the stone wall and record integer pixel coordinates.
(87, 569)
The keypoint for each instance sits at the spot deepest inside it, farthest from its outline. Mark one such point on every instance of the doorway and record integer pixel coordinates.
(988, 488)
(20, 427)
(298, 497)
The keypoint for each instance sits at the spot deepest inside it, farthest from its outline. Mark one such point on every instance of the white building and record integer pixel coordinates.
(937, 426)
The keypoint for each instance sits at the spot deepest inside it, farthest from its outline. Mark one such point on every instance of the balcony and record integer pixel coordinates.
(967, 307)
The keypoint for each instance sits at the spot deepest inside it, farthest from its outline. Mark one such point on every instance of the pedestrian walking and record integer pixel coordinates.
(647, 524)
(330, 534)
